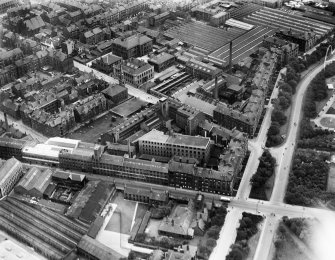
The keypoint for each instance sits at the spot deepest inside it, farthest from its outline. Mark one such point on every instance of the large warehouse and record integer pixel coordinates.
(279, 19)
(242, 47)
(204, 36)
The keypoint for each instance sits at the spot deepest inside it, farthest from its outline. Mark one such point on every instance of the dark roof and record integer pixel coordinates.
(50, 189)
(98, 198)
(98, 250)
(95, 227)
(113, 90)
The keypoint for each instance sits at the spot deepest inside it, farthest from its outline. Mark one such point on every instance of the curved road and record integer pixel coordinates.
(283, 155)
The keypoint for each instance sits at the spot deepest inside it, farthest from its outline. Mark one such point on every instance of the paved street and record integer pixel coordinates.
(131, 90)
(274, 209)
(23, 128)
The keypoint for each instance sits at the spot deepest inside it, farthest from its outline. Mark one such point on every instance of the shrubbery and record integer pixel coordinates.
(264, 171)
(247, 228)
(308, 178)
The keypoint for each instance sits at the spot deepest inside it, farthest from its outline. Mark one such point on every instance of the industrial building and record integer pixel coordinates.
(162, 61)
(204, 37)
(34, 182)
(157, 143)
(242, 47)
(279, 19)
(6, 4)
(10, 174)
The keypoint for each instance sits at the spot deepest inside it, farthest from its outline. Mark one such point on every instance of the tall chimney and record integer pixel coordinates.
(6, 122)
(230, 56)
(129, 152)
(216, 90)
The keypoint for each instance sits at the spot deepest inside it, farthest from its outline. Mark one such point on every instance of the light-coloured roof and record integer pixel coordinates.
(175, 139)
(7, 169)
(239, 24)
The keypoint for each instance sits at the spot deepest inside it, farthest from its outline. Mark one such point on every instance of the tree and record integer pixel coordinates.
(274, 128)
(293, 85)
(278, 116)
(241, 235)
(235, 254)
(211, 243)
(214, 232)
(284, 102)
(132, 255)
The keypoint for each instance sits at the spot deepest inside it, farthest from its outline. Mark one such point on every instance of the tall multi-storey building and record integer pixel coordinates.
(180, 172)
(305, 40)
(133, 46)
(157, 143)
(6, 4)
(135, 71)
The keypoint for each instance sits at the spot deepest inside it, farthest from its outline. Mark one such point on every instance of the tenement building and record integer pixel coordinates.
(180, 172)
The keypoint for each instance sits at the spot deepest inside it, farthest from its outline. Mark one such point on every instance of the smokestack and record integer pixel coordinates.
(6, 122)
(129, 152)
(216, 90)
(230, 56)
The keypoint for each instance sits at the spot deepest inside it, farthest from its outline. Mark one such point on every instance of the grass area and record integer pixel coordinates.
(269, 186)
(284, 128)
(290, 251)
(328, 122)
(331, 179)
(331, 110)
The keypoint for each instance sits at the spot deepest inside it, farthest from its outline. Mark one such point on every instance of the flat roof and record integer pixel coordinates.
(175, 139)
(161, 58)
(129, 107)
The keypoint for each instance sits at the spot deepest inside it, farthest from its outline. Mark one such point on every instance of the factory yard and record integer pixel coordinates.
(204, 36)
(125, 214)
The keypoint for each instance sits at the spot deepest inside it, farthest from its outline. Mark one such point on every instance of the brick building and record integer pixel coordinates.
(162, 61)
(135, 71)
(133, 46)
(159, 144)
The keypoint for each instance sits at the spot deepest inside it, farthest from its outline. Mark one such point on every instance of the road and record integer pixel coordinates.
(274, 209)
(284, 155)
(131, 90)
(23, 128)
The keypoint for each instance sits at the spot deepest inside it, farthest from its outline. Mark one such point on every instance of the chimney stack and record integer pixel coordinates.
(216, 90)
(129, 152)
(230, 56)
(6, 122)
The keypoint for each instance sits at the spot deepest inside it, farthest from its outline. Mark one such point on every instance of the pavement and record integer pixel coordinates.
(131, 90)
(274, 209)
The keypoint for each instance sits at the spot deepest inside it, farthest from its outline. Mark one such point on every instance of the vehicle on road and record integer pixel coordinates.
(225, 199)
